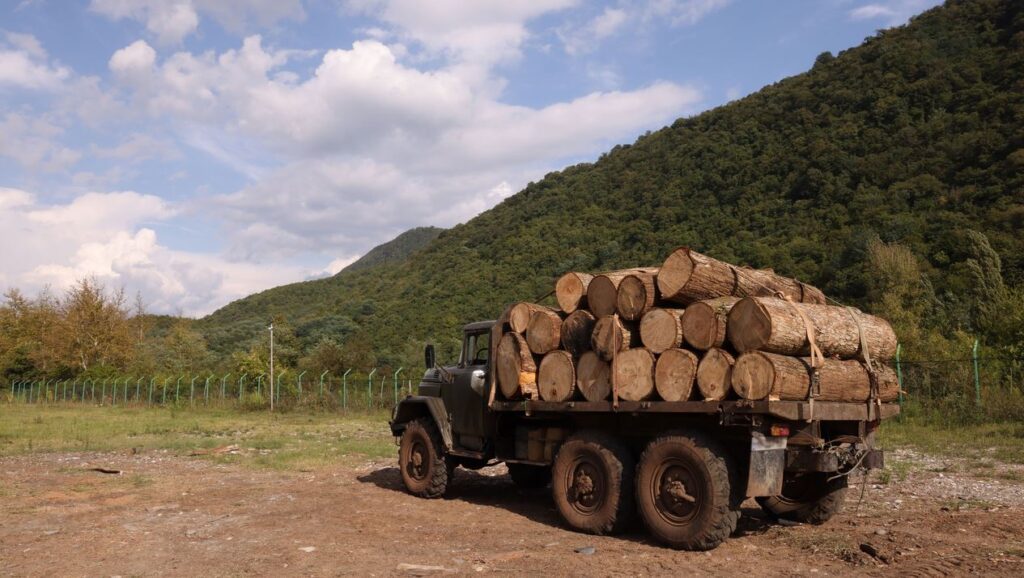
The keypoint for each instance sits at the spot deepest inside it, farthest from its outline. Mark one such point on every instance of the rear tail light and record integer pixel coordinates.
(779, 430)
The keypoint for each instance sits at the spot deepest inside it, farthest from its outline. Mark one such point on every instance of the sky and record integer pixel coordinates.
(197, 151)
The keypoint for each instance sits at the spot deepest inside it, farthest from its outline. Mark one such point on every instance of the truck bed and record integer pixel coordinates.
(791, 410)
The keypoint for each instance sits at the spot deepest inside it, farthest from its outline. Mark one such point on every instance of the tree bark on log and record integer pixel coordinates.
(760, 375)
(577, 330)
(556, 378)
(674, 373)
(662, 329)
(636, 294)
(593, 377)
(571, 291)
(688, 276)
(612, 335)
(775, 325)
(714, 374)
(603, 290)
(633, 374)
(521, 313)
(516, 367)
(544, 333)
(704, 322)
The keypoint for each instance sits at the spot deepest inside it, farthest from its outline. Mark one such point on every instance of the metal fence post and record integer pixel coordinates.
(152, 380)
(206, 390)
(259, 383)
(399, 370)
(241, 385)
(163, 391)
(113, 394)
(977, 377)
(344, 389)
(138, 387)
(224, 384)
(276, 391)
(192, 390)
(322, 375)
(299, 380)
(369, 389)
(103, 390)
(177, 388)
(64, 391)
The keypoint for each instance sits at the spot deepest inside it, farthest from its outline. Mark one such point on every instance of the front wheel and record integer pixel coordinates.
(425, 472)
(808, 498)
(685, 493)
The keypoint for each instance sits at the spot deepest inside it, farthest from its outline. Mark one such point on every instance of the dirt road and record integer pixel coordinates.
(175, 515)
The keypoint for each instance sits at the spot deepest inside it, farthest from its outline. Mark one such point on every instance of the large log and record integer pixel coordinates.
(611, 334)
(688, 276)
(662, 329)
(674, 373)
(603, 291)
(714, 374)
(703, 323)
(521, 313)
(544, 333)
(577, 329)
(593, 377)
(760, 375)
(516, 368)
(571, 291)
(776, 326)
(636, 294)
(556, 378)
(633, 374)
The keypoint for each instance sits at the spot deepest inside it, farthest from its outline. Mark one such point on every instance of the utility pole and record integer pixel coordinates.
(271, 366)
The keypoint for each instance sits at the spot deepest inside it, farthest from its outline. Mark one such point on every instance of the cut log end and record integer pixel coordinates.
(633, 372)
(521, 313)
(674, 374)
(749, 326)
(544, 332)
(516, 368)
(636, 295)
(611, 335)
(675, 273)
(661, 329)
(753, 376)
(704, 322)
(601, 295)
(571, 291)
(714, 374)
(593, 377)
(556, 378)
(577, 330)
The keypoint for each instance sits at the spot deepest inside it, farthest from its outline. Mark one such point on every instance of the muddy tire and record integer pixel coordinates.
(425, 472)
(807, 498)
(529, 477)
(685, 492)
(592, 483)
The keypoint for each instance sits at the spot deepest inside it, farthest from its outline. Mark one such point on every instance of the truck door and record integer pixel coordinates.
(465, 398)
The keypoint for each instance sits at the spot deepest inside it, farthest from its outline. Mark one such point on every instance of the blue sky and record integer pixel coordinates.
(196, 151)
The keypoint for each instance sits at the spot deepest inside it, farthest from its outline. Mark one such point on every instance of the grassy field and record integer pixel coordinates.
(278, 441)
(301, 440)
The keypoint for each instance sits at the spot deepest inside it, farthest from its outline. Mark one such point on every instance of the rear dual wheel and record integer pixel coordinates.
(811, 498)
(592, 483)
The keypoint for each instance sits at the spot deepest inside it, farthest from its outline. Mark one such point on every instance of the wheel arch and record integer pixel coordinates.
(416, 407)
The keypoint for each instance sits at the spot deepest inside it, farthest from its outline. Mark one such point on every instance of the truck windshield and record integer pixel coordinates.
(477, 348)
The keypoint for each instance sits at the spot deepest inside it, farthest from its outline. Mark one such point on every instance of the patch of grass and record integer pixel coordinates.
(1003, 441)
(277, 441)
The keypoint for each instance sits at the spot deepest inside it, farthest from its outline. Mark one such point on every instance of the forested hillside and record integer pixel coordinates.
(890, 175)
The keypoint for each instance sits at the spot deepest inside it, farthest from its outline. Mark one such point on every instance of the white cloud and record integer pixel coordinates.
(586, 38)
(133, 63)
(681, 12)
(583, 38)
(23, 64)
(891, 12)
(105, 235)
(33, 142)
(171, 21)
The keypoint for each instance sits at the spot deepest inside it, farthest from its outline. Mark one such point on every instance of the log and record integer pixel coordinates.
(544, 333)
(761, 375)
(688, 276)
(662, 329)
(704, 322)
(516, 368)
(636, 295)
(593, 377)
(577, 330)
(603, 291)
(775, 325)
(714, 374)
(674, 374)
(556, 378)
(571, 291)
(611, 335)
(633, 374)
(521, 313)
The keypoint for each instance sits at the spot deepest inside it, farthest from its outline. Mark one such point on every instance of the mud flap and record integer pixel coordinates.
(767, 462)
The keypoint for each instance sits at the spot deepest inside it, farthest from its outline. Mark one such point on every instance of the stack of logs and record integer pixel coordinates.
(695, 328)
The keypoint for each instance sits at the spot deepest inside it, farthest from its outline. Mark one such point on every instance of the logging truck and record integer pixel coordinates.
(683, 467)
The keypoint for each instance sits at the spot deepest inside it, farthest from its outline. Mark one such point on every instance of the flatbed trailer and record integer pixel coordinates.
(682, 467)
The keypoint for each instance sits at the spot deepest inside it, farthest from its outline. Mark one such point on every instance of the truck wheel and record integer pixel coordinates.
(685, 494)
(529, 477)
(808, 498)
(425, 472)
(592, 483)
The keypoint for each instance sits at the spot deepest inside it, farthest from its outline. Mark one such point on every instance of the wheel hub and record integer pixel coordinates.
(676, 493)
(586, 487)
(417, 461)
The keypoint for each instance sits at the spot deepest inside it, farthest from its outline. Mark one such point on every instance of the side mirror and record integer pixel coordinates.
(428, 356)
